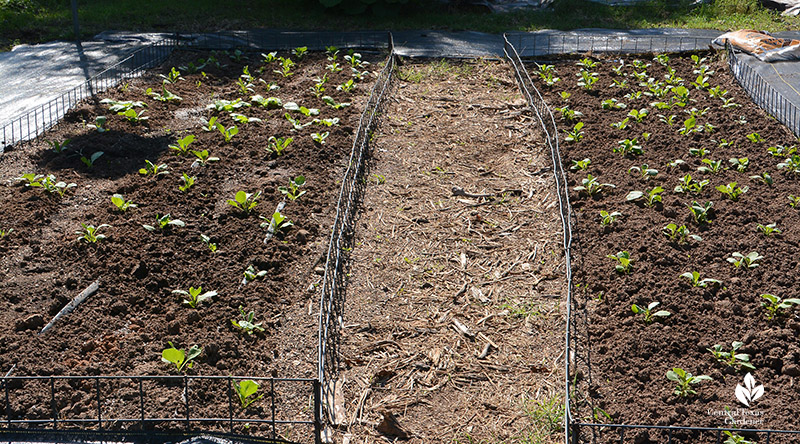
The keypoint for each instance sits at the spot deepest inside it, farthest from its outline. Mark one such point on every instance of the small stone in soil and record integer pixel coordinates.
(31, 322)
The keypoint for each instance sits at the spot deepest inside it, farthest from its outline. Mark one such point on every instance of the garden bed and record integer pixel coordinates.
(123, 328)
(629, 358)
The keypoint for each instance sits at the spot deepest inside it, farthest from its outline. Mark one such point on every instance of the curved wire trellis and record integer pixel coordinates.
(335, 279)
(577, 359)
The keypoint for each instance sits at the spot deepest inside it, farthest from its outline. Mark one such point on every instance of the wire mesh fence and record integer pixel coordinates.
(35, 122)
(583, 420)
(558, 43)
(334, 281)
(285, 407)
(762, 93)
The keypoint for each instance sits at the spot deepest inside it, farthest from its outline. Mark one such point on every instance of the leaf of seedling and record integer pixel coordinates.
(247, 324)
(90, 234)
(119, 201)
(182, 146)
(207, 240)
(57, 147)
(651, 196)
(648, 313)
(182, 359)
(292, 191)
(768, 229)
(227, 133)
(679, 234)
(151, 169)
(31, 180)
(694, 277)
(774, 305)
(54, 186)
(163, 222)
(278, 144)
(607, 218)
(203, 157)
(581, 164)
(624, 262)
(210, 124)
(332, 103)
(251, 274)
(591, 186)
(685, 381)
(268, 103)
(750, 261)
(296, 125)
(194, 297)
(326, 122)
(732, 191)
(89, 161)
(245, 202)
(245, 389)
(711, 166)
(277, 223)
(320, 137)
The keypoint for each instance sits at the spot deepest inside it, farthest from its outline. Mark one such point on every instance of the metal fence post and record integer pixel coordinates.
(317, 411)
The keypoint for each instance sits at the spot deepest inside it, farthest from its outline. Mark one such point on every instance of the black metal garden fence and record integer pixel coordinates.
(586, 426)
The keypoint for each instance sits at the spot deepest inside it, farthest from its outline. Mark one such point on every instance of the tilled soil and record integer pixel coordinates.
(453, 318)
(123, 327)
(629, 358)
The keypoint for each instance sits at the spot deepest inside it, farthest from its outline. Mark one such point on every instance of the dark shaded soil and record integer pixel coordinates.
(630, 359)
(123, 328)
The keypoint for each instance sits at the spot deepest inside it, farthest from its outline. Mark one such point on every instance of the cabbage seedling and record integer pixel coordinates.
(246, 324)
(624, 262)
(791, 164)
(326, 122)
(296, 125)
(731, 190)
(293, 190)
(694, 277)
(648, 313)
(701, 213)
(268, 103)
(251, 274)
(163, 222)
(732, 358)
(31, 179)
(227, 133)
(711, 166)
(90, 234)
(122, 205)
(227, 105)
(245, 389)
(165, 96)
(774, 306)
(685, 381)
(5, 232)
(612, 104)
(57, 147)
(650, 197)
(628, 146)
(347, 86)
(188, 182)
(276, 223)
(285, 68)
(687, 184)
(122, 106)
(133, 117)
(734, 438)
(182, 146)
(794, 201)
(740, 163)
(607, 218)
(575, 134)
(180, 358)
(89, 161)
(591, 187)
(320, 137)
(765, 178)
(203, 157)
(768, 229)
(645, 172)
(581, 165)
(152, 169)
(332, 103)
(210, 124)
(278, 144)
(207, 240)
(269, 58)
(750, 261)
(755, 137)
(99, 124)
(622, 124)
(782, 151)
(639, 114)
(194, 297)
(172, 76)
(53, 186)
(587, 79)
(245, 202)
(679, 234)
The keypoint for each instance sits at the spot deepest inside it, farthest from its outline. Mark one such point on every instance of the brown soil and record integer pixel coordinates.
(629, 359)
(123, 328)
(428, 260)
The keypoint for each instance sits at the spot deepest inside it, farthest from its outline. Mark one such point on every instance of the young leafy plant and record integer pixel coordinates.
(624, 263)
(768, 229)
(90, 234)
(628, 146)
(5, 232)
(245, 390)
(207, 240)
(679, 234)
(794, 201)
(694, 278)
(182, 146)
(194, 297)
(687, 184)
(791, 164)
(732, 358)
(247, 324)
(607, 218)
(750, 261)
(711, 166)
(774, 306)
(58, 147)
(685, 381)
(245, 202)
(764, 178)
(227, 133)
(165, 96)
(581, 165)
(701, 213)
(278, 144)
(755, 137)
(203, 157)
(277, 222)
(292, 191)
(251, 274)
(575, 134)
(151, 169)
(648, 313)
(320, 137)
(182, 359)
(732, 191)
(122, 205)
(163, 222)
(591, 186)
(89, 161)
(133, 117)
(651, 197)
(188, 182)
(740, 163)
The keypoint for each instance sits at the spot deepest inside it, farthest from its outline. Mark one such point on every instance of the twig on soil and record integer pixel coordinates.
(463, 329)
(88, 291)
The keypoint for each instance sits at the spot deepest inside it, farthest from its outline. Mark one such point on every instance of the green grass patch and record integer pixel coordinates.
(33, 21)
